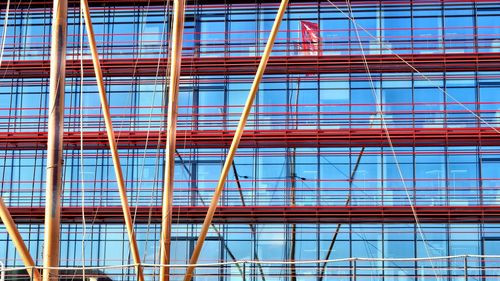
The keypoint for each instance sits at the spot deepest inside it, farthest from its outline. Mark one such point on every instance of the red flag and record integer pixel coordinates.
(310, 38)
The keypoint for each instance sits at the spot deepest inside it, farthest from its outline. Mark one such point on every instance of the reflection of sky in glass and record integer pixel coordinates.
(434, 176)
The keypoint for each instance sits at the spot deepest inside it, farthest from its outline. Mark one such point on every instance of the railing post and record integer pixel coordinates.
(55, 135)
(138, 273)
(466, 275)
(354, 269)
(244, 271)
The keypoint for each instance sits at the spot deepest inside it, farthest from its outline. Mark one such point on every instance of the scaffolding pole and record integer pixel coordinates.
(173, 93)
(21, 248)
(236, 141)
(111, 139)
(55, 140)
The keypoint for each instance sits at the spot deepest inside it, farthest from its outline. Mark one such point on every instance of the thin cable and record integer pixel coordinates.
(150, 117)
(82, 168)
(389, 140)
(142, 25)
(383, 45)
(4, 33)
(160, 127)
(2, 48)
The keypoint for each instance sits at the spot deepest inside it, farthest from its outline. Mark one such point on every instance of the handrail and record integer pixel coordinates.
(353, 267)
(270, 262)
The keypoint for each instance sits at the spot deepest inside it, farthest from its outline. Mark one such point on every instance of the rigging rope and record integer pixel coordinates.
(4, 33)
(435, 84)
(386, 130)
(2, 48)
(158, 144)
(82, 167)
(364, 57)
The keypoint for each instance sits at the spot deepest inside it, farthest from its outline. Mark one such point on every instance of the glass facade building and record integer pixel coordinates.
(385, 145)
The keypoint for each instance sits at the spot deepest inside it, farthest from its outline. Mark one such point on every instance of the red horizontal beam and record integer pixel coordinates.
(274, 214)
(45, 3)
(277, 65)
(267, 138)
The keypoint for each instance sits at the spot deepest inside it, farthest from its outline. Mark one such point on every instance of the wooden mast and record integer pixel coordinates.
(236, 141)
(173, 93)
(55, 140)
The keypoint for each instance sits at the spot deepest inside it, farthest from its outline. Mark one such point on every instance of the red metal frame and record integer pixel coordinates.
(294, 64)
(264, 138)
(274, 214)
(277, 65)
(38, 3)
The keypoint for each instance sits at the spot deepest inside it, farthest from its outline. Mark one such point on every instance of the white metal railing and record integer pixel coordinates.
(458, 267)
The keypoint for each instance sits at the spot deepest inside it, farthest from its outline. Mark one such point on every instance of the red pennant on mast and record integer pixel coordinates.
(310, 38)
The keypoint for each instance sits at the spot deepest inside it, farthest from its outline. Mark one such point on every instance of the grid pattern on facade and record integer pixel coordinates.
(315, 138)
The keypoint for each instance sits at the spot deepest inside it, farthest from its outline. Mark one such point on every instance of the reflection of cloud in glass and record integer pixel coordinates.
(273, 239)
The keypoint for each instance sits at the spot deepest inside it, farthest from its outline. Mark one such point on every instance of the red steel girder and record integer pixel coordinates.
(402, 137)
(45, 3)
(274, 214)
(296, 64)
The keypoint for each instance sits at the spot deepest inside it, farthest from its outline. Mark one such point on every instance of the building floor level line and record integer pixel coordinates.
(369, 137)
(276, 214)
(224, 65)
(99, 3)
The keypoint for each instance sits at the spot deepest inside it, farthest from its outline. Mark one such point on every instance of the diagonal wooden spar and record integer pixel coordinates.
(173, 94)
(52, 227)
(112, 141)
(18, 242)
(236, 141)
(217, 231)
(214, 227)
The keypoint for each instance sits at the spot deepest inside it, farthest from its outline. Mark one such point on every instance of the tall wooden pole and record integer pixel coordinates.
(236, 141)
(111, 139)
(18, 242)
(173, 93)
(55, 140)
